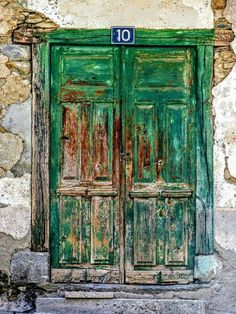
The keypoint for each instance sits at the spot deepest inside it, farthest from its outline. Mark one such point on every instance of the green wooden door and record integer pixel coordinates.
(160, 164)
(122, 172)
(85, 164)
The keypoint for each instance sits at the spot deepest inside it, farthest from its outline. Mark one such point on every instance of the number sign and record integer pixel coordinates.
(122, 35)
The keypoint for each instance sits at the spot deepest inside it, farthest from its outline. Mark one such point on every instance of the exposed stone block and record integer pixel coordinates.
(2, 172)
(205, 267)
(4, 70)
(225, 59)
(16, 52)
(19, 66)
(218, 4)
(30, 267)
(16, 89)
(11, 147)
(11, 13)
(34, 18)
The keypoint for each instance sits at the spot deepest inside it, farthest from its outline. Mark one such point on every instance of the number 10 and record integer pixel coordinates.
(123, 35)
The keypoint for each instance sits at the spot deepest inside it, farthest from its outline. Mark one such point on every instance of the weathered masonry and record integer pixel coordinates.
(130, 171)
(117, 162)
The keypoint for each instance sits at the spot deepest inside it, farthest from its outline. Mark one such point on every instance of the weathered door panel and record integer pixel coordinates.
(159, 115)
(85, 164)
(144, 232)
(155, 186)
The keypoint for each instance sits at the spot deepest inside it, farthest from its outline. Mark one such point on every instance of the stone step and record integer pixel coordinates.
(51, 305)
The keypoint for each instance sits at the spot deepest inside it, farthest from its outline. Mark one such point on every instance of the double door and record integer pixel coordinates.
(122, 164)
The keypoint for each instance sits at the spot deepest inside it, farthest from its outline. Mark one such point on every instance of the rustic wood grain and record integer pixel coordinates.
(40, 149)
(204, 189)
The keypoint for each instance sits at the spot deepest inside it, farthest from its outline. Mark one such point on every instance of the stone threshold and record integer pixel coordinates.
(118, 306)
(116, 291)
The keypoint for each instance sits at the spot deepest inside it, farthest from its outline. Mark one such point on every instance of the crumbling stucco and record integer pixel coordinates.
(224, 106)
(8, 247)
(15, 209)
(17, 120)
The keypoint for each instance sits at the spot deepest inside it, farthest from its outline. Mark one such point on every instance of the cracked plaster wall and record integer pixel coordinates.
(140, 13)
(224, 107)
(15, 101)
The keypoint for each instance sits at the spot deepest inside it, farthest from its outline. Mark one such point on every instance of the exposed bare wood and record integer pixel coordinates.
(159, 277)
(176, 193)
(85, 275)
(68, 275)
(70, 142)
(84, 191)
(104, 192)
(141, 194)
(40, 154)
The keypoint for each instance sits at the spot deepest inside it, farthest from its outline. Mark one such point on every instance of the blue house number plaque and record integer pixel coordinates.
(122, 35)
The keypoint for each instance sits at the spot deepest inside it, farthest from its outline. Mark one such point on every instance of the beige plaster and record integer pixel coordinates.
(15, 206)
(156, 14)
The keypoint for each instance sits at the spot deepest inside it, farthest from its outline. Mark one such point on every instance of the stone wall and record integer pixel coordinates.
(15, 137)
(15, 131)
(15, 112)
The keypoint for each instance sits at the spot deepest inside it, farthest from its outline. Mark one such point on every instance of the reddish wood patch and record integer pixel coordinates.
(70, 142)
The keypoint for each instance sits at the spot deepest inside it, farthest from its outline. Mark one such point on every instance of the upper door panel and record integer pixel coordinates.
(88, 73)
(160, 98)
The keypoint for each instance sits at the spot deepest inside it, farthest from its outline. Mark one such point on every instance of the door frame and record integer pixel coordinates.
(202, 41)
